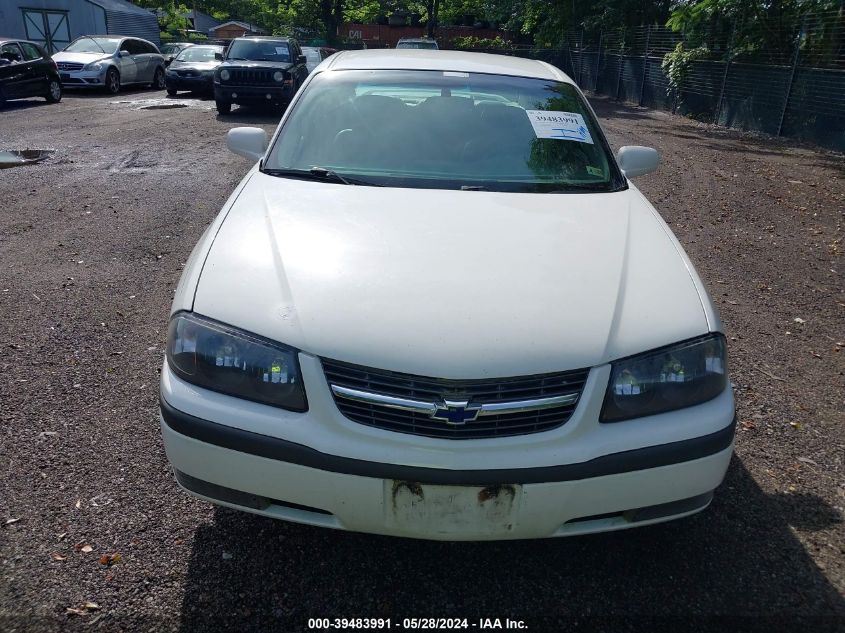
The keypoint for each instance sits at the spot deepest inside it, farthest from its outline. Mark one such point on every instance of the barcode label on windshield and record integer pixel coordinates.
(568, 126)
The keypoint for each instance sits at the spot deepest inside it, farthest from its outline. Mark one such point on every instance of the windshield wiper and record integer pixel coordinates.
(603, 187)
(319, 173)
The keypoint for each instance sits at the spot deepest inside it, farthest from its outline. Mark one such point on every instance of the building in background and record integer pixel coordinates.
(201, 22)
(56, 23)
(233, 29)
(387, 35)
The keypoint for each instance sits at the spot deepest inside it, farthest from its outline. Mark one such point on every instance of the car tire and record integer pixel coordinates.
(171, 92)
(112, 81)
(54, 91)
(224, 107)
(158, 80)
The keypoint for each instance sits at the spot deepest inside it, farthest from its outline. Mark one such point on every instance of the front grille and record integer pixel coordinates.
(435, 390)
(246, 76)
(69, 66)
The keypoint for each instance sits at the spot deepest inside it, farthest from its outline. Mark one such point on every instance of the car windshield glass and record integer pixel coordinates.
(312, 54)
(93, 45)
(198, 54)
(447, 130)
(259, 51)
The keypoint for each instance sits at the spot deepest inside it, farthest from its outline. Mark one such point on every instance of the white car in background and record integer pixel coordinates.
(108, 62)
(436, 307)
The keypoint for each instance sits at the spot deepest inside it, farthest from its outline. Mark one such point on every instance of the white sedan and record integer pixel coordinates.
(436, 307)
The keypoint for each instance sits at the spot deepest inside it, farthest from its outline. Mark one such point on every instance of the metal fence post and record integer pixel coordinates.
(728, 58)
(571, 63)
(621, 65)
(645, 63)
(598, 64)
(791, 75)
(581, 60)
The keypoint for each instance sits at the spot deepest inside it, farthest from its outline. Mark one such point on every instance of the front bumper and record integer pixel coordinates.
(274, 95)
(197, 83)
(320, 468)
(83, 78)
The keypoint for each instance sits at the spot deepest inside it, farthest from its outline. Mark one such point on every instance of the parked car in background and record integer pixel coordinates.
(109, 62)
(193, 69)
(26, 70)
(417, 42)
(314, 55)
(259, 70)
(438, 307)
(171, 50)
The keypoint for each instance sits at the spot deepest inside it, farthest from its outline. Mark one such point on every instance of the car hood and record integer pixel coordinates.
(177, 65)
(256, 65)
(83, 58)
(452, 284)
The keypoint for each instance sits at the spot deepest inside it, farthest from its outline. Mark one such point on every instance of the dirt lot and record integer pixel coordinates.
(92, 243)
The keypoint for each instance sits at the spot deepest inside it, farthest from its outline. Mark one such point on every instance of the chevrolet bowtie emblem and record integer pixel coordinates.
(456, 412)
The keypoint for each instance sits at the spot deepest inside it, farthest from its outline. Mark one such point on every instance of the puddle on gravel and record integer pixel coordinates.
(165, 103)
(18, 157)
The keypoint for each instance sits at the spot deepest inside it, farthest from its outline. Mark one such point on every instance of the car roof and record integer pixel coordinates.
(455, 61)
(272, 38)
(8, 40)
(416, 39)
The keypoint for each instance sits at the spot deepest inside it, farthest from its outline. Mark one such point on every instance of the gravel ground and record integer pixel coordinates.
(92, 243)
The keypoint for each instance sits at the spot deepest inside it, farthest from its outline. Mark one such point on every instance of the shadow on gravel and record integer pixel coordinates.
(736, 566)
(23, 104)
(252, 115)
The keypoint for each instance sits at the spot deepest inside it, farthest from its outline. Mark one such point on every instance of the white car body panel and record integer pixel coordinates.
(489, 284)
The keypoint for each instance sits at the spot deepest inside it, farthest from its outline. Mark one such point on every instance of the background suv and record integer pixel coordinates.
(259, 70)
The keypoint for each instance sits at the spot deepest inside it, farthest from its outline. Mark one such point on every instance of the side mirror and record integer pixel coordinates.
(218, 56)
(300, 59)
(249, 142)
(124, 53)
(635, 160)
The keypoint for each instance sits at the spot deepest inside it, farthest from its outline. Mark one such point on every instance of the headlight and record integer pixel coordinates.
(666, 379)
(222, 358)
(278, 75)
(94, 66)
(224, 75)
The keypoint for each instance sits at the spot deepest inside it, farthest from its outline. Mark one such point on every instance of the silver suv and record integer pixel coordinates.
(110, 61)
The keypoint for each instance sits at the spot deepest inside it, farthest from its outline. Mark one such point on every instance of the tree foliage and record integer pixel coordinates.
(751, 22)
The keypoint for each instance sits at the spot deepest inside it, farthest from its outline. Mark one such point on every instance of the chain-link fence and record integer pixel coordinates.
(784, 77)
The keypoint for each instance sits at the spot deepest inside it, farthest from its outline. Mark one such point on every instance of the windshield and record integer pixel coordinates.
(312, 54)
(447, 130)
(93, 45)
(199, 54)
(259, 51)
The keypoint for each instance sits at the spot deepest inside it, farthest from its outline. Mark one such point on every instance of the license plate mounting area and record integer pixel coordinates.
(452, 510)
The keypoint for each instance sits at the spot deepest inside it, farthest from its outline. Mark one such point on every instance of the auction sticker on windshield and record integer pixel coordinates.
(568, 126)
